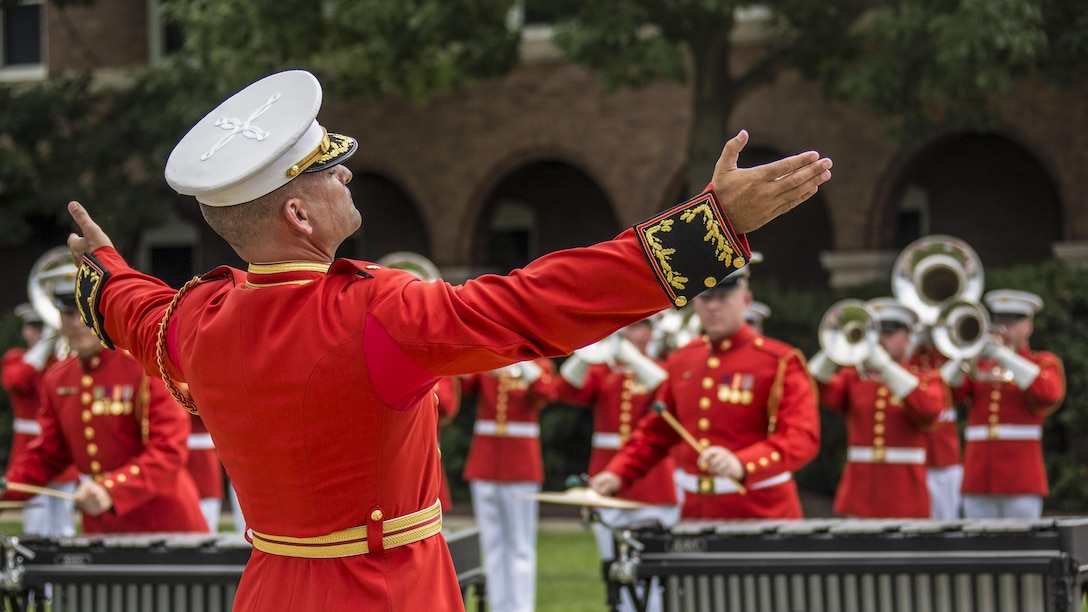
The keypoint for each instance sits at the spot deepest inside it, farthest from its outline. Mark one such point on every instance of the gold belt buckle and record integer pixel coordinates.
(706, 485)
(500, 429)
(879, 455)
(992, 433)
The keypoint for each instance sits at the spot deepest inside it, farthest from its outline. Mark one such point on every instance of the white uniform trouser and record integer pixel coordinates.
(507, 523)
(210, 507)
(1002, 506)
(944, 491)
(51, 517)
(618, 517)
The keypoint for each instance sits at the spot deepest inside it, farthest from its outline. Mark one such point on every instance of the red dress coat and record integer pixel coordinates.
(943, 443)
(123, 429)
(750, 394)
(619, 403)
(316, 383)
(447, 397)
(885, 473)
(22, 382)
(1004, 450)
(508, 451)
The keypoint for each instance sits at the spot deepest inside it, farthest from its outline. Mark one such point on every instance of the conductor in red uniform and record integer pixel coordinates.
(749, 402)
(120, 428)
(889, 408)
(315, 377)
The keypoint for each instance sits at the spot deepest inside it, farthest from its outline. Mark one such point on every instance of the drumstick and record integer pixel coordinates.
(659, 408)
(25, 488)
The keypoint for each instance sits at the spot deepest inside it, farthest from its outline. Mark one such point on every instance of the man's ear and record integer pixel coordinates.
(297, 217)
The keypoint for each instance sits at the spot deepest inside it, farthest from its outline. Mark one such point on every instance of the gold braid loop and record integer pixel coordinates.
(160, 348)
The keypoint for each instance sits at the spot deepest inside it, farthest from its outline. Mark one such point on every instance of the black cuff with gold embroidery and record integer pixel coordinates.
(91, 279)
(691, 247)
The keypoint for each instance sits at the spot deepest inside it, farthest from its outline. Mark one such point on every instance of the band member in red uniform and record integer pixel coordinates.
(889, 408)
(504, 465)
(617, 379)
(447, 396)
(45, 515)
(757, 313)
(315, 377)
(944, 463)
(121, 429)
(1011, 390)
(207, 472)
(748, 401)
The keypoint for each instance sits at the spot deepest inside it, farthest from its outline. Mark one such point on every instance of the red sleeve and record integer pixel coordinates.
(927, 400)
(834, 394)
(649, 444)
(1046, 392)
(17, 375)
(45, 457)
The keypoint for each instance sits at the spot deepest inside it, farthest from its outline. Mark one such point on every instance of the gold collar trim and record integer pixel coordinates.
(288, 266)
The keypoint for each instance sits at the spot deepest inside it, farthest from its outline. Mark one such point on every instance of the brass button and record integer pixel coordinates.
(96, 467)
(878, 441)
(134, 469)
(993, 418)
(625, 417)
(121, 478)
(85, 398)
(92, 449)
(725, 345)
(88, 432)
(995, 408)
(710, 281)
(376, 515)
(681, 301)
(625, 429)
(750, 467)
(703, 442)
(878, 429)
(713, 362)
(879, 416)
(881, 403)
(708, 382)
(87, 380)
(775, 456)
(882, 392)
(704, 403)
(763, 462)
(759, 341)
(108, 484)
(995, 394)
(704, 424)
(86, 416)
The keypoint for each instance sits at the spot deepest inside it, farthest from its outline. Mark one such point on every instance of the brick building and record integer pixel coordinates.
(487, 178)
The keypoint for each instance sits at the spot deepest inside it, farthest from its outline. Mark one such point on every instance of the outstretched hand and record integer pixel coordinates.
(93, 237)
(753, 196)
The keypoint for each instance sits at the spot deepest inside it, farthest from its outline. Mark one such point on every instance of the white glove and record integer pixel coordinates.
(644, 368)
(821, 367)
(530, 371)
(602, 351)
(899, 381)
(38, 355)
(1024, 372)
(574, 371)
(952, 372)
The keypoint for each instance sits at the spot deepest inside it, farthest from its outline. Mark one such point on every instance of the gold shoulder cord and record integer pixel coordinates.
(160, 348)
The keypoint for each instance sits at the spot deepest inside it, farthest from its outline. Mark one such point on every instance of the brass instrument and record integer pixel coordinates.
(848, 332)
(933, 271)
(672, 330)
(52, 268)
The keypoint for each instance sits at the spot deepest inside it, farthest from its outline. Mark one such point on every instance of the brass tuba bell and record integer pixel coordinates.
(55, 266)
(848, 332)
(933, 271)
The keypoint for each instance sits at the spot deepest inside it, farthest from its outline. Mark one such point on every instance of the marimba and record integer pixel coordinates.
(161, 572)
(849, 565)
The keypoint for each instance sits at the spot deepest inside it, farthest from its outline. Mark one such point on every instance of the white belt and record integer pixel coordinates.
(512, 430)
(948, 415)
(980, 433)
(722, 486)
(868, 454)
(29, 427)
(201, 441)
(605, 440)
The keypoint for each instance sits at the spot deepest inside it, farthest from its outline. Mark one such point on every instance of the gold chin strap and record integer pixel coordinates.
(309, 160)
(160, 348)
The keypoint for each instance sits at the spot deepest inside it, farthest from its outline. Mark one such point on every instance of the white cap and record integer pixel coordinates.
(27, 314)
(888, 310)
(756, 313)
(1011, 301)
(256, 141)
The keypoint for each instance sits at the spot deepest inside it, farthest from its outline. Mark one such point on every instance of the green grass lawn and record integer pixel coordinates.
(568, 572)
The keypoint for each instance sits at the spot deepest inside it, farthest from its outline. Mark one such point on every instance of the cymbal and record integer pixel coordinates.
(13, 505)
(584, 496)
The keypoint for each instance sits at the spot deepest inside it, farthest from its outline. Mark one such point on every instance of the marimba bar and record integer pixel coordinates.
(847, 565)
